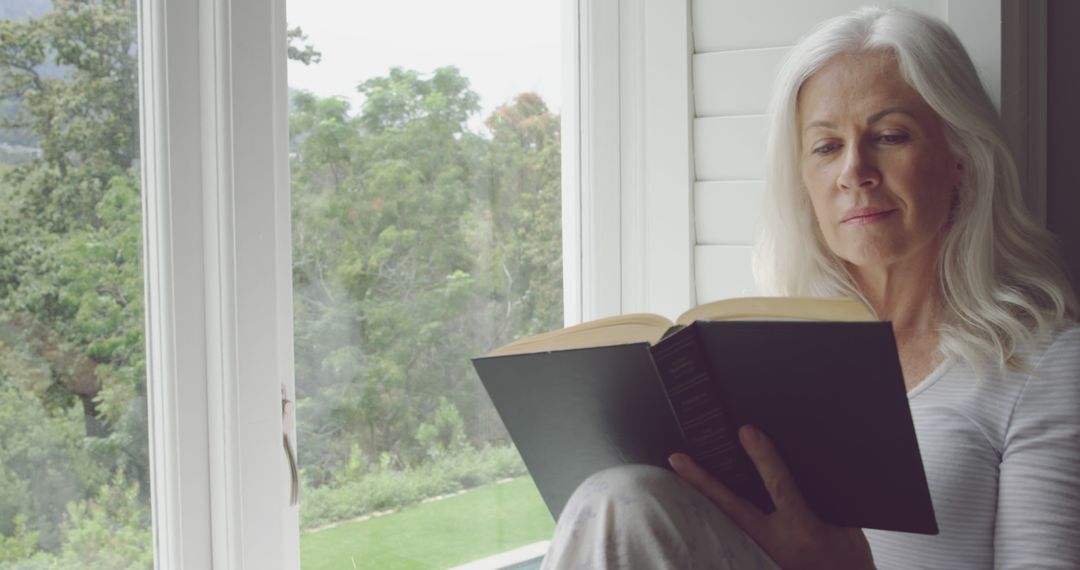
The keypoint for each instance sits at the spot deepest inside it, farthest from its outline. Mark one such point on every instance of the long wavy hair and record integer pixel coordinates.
(1001, 280)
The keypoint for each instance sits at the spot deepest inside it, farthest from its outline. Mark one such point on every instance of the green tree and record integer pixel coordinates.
(71, 283)
(86, 118)
(43, 465)
(298, 50)
(417, 244)
(524, 193)
(381, 268)
(71, 279)
(22, 543)
(111, 530)
(445, 433)
(71, 300)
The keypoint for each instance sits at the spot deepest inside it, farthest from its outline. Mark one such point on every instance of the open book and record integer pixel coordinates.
(820, 377)
(645, 327)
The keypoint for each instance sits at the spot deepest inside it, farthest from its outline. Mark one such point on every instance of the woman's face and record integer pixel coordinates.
(875, 163)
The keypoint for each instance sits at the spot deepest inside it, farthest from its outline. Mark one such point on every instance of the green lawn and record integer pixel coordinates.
(440, 534)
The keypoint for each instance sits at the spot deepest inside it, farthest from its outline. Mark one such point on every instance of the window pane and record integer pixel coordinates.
(73, 429)
(425, 164)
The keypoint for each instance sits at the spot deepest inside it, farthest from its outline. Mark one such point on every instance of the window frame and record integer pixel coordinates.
(635, 159)
(216, 225)
(591, 154)
(217, 245)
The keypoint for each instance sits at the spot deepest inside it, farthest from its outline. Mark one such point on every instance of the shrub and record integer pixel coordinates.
(20, 545)
(109, 531)
(385, 490)
(446, 432)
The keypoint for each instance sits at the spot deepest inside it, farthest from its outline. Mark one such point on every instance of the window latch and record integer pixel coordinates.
(290, 452)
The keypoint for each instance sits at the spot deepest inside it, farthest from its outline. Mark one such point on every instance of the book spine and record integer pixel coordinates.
(696, 401)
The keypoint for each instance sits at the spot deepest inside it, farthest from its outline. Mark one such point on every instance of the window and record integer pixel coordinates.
(219, 281)
(426, 195)
(74, 468)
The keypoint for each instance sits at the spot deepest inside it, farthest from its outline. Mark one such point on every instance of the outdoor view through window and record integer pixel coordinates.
(425, 166)
(73, 430)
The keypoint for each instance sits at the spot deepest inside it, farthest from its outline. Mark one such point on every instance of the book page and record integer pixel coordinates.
(622, 329)
(780, 308)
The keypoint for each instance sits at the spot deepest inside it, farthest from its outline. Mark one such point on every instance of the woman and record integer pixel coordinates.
(890, 180)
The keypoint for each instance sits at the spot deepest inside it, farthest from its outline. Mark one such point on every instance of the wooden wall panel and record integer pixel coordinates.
(728, 212)
(728, 25)
(729, 148)
(724, 271)
(735, 82)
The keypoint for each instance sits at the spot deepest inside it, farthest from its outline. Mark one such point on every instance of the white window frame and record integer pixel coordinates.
(590, 160)
(627, 170)
(218, 281)
(217, 244)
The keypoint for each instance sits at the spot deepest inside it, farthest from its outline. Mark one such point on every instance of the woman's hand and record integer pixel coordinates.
(793, 536)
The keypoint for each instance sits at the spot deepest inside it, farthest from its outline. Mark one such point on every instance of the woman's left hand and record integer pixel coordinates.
(792, 535)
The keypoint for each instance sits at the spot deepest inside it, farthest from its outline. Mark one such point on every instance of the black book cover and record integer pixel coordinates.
(830, 395)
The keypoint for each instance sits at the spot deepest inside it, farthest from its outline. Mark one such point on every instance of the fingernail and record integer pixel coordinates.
(677, 461)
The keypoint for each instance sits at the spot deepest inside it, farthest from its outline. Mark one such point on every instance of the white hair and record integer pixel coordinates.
(1000, 278)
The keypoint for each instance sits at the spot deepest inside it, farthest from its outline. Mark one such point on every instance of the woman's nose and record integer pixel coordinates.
(859, 170)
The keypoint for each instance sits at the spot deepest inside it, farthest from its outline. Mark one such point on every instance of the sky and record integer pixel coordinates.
(504, 47)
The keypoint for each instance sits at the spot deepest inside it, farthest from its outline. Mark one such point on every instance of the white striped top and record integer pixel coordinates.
(1002, 457)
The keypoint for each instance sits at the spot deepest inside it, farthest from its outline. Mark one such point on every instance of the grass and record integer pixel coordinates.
(439, 534)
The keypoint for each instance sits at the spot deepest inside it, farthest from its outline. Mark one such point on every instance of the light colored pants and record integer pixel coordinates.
(639, 516)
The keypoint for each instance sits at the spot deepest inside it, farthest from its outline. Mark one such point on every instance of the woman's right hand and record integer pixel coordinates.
(792, 535)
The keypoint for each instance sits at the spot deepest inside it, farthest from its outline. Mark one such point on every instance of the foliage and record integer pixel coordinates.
(445, 433)
(70, 282)
(86, 119)
(526, 237)
(43, 465)
(367, 493)
(13, 138)
(300, 51)
(20, 545)
(39, 561)
(109, 531)
(417, 245)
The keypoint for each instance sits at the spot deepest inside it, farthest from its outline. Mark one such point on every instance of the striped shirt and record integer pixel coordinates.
(1002, 457)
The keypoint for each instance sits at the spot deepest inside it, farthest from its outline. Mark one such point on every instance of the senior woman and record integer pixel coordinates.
(890, 180)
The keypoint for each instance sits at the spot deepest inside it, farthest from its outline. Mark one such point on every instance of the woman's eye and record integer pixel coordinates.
(892, 138)
(825, 148)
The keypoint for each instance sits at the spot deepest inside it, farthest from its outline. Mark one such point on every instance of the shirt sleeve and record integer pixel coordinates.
(1038, 510)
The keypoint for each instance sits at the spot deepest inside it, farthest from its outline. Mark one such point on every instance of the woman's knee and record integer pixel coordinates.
(633, 492)
(648, 496)
(635, 481)
(644, 516)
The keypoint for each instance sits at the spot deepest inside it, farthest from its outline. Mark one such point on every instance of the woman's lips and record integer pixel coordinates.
(866, 216)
